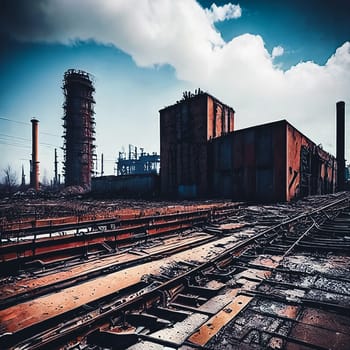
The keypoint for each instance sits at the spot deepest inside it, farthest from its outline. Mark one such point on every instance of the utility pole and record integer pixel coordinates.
(56, 172)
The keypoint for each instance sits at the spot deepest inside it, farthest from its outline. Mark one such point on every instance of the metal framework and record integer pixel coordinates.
(79, 125)
(137, 163)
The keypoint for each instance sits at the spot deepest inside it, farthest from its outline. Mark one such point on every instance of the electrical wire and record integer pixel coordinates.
(14, 121)
(26, 123)
(13, 138)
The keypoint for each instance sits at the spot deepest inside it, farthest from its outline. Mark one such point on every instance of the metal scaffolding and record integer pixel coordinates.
(79, 127)
(136, 163)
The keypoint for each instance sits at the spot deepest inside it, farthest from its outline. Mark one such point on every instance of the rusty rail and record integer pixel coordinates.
(181, 289)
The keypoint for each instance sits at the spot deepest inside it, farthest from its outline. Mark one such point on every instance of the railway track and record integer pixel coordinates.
(49, 244)
(252, 289)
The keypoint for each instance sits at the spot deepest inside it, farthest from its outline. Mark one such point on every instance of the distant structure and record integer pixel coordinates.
(185, 128)
(137, 163)
(23, 182)
(340, 107)
(137, 175)
(79, 128)
(55, 180)
(34, 164)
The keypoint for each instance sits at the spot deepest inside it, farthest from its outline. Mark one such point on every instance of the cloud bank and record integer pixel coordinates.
(240, 72)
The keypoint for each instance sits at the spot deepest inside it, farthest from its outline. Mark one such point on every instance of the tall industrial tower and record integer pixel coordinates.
(79, 127)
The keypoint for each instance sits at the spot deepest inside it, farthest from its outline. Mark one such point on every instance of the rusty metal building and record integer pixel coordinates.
(270, 162)
(185, 129)
(202, 156)
(79, 127)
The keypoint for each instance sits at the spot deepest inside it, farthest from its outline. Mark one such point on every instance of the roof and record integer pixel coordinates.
(195, 96)
(272, 124)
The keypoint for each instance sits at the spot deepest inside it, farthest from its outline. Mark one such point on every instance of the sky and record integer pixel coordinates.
(268, 59)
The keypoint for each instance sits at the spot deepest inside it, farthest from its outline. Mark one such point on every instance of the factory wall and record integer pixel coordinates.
(249, 164)
(220, 118)
(145, 185)
(271, 162)
(310, 170)
(185, 129)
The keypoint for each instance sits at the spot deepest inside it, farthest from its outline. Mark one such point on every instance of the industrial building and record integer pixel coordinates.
(202, 156)
(185, 129)
(137, 163)
(79, 125)
(137, 175)
(270, 162)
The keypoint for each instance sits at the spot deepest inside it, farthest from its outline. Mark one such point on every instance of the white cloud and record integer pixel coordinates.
(222, 13)
(240, 72)
(277, 51)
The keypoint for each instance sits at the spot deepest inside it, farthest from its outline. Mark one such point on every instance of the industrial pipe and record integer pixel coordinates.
(341, 145)
(35, 158)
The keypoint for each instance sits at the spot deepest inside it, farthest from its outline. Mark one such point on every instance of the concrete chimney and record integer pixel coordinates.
(341, 145)
(34, 180)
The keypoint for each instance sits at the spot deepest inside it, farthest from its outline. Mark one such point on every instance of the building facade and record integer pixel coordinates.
(202, 156)
(271, 162)
(185, 129)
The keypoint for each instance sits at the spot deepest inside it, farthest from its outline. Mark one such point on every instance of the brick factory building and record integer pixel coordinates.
(202, 156)
(185, 129)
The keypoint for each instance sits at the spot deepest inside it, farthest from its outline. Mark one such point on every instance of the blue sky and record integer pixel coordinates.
(267, 59)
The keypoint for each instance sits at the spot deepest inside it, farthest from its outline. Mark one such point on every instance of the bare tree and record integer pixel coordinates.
(9, 179)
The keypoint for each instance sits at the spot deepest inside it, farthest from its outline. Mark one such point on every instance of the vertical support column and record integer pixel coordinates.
(35, 158)
(341, 145)
(23, 183)
(56, 170)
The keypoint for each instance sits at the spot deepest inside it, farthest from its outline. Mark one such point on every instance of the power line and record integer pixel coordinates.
(48, 144)
(14, 137)
(14, 121)
(3, 142)
(26, 123)
(24, 139)
(47, 133)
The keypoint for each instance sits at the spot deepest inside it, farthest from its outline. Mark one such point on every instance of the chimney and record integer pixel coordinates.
(341, 145)
(35, 162)
(23, 184)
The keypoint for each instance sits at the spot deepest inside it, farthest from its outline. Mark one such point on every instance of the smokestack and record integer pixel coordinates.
(341, 145)
(79, 125)
(35, 162)
(23, 178)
